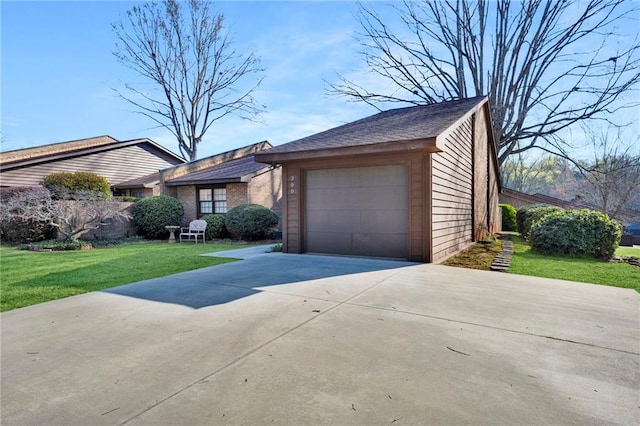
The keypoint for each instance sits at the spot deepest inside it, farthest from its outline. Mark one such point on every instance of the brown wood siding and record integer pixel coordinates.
(117, 165)
(495, 216)
(452, 194)
(292, 228)
(481, 178)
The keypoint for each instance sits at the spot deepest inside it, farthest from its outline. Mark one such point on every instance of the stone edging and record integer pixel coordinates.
(502, 262)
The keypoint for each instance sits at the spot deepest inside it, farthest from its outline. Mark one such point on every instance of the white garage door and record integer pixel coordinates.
(359, 211)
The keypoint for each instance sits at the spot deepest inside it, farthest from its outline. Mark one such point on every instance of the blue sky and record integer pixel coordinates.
(58, 73)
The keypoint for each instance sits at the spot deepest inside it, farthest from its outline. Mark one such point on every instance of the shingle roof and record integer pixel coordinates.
(402, 124)
(56, 148)
(62, 150)
(238, 170)
(147, 181)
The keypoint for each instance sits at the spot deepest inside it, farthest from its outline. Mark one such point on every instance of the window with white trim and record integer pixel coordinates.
(212, 200)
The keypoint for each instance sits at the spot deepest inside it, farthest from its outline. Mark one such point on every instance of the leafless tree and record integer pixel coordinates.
(545, 64)
(71, 212)
(198, 76)
(613, 177)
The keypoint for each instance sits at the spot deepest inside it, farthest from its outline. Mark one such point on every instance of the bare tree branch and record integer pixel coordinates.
(198, 76)
(545, 64)
(71, 212)
(613, 176)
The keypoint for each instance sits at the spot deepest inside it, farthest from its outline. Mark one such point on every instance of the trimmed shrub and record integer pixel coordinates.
(57, 245)
(576, 232)
(215, 226)
(17, 229)
(250, 221)
(521, 215)
(508, 217)
(528, 215)
(126, 199)
(77, 181)
(152, 214)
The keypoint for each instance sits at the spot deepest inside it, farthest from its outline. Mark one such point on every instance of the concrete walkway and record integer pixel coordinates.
(300, 339)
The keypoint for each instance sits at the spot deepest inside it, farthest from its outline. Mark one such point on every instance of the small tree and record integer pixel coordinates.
(71, 212)
(20, 229)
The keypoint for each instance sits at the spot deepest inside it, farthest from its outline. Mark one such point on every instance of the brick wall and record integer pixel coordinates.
(266, 190)
(236, 195)
(187, 196)
(115, 227)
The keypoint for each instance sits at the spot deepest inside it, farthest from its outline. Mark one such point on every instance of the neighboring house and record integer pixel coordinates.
(418, 183)
(218, 183)
(118, 161)
(519, 199)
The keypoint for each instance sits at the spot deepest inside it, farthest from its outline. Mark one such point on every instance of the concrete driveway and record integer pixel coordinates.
(301, 339)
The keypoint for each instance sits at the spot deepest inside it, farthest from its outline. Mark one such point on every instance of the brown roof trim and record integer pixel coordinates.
(180, 170)
(148, 181)
(441, 138)
(242, 179)
(32, 153)
(427, 145)
(86, 151)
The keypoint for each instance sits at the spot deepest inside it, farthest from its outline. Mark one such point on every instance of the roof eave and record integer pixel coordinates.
(205, 182)
(85, 151)
(426, 145)
(133, 185)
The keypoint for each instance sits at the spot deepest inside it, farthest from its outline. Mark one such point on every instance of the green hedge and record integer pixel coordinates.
(528, 215)
(77, 181)
(152, 214)
(576, 232)
(250, 221)
(215, 227)
(508, 217)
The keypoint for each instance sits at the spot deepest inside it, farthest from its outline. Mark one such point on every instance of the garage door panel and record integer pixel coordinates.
(357, 211)
(389, 221)
(358, 177)
(364, 198)
(338, 221)
(380, 245)
(329, 242)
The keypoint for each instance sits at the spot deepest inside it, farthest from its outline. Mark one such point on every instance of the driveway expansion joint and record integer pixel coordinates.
(526, 333)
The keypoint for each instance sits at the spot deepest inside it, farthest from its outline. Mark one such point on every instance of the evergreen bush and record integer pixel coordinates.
(76, 181)
(152, 214)
(215, 227)
(576, 232)
(528, 215)
(508, 217)
(250, 221)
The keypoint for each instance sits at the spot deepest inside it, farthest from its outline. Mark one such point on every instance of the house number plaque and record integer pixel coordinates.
(292, 184)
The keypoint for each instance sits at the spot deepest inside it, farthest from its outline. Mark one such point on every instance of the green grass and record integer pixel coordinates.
(586, 270)
(27, 278)
(628, 251)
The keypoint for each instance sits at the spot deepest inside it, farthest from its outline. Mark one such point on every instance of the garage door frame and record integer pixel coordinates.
(344, 229)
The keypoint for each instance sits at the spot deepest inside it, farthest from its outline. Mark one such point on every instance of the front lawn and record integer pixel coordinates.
(527, 262)
(27, 277)
(586, 270)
